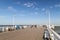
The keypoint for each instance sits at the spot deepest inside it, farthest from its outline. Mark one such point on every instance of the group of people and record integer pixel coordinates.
(34, 26)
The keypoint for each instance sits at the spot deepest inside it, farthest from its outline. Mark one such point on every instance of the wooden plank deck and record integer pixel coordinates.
(23, 34)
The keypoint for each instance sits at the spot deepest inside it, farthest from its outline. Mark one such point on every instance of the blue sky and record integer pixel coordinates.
(29, 11)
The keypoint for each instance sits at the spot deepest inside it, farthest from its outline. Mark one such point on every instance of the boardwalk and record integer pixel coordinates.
(24, 34)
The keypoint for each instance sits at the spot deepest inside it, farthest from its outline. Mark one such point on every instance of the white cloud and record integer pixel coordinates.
(36, 13)
(58, 5)
(23, 11)
(22, 15)
(31, 14)
(43, 9)
(47, 11)
(36, 8)
(18, 2)
(29, 4)
(11, 9)
(51, 6)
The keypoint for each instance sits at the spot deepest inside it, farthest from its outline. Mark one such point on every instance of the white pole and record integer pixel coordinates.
(14, 21)
(48, 12)
(49, 17)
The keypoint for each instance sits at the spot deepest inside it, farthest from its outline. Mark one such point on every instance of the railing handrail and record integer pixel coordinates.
(56, 34)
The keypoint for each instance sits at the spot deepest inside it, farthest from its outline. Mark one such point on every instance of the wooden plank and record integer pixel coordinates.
(24, 34)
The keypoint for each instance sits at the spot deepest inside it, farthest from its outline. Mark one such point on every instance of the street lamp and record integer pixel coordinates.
(14, 21)
(48, 12)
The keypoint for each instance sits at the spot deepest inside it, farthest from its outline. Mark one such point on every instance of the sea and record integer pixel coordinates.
(57, 29)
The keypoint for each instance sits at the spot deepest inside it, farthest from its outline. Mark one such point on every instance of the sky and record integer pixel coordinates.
(29, 12)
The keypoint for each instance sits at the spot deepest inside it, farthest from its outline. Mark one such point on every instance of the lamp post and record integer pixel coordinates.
(48, 12)
(49, 17)
(14, 21)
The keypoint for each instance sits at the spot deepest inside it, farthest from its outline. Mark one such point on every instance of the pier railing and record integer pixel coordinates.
(53, 34)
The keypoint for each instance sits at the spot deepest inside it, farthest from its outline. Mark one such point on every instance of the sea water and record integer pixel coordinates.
(57, 29)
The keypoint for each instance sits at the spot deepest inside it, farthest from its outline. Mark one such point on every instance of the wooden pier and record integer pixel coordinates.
(23, 34)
